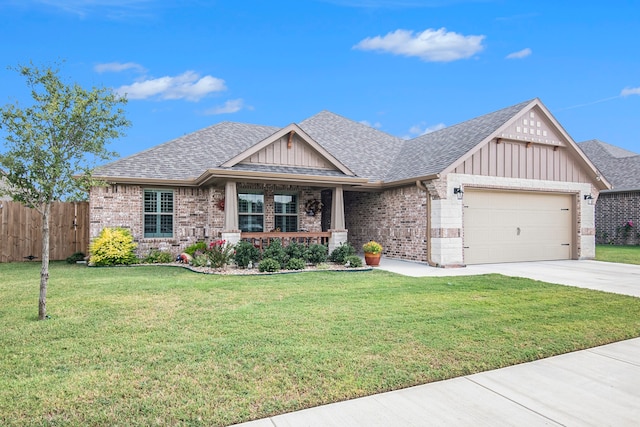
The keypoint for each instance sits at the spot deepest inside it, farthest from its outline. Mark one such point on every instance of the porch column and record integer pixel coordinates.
(337, 209)
(338, 228)
(231, 233)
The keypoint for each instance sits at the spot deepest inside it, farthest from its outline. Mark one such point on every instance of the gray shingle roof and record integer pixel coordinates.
(364, 150)
(368, 152)
(189, 156)
(619, 166)
(435, 151)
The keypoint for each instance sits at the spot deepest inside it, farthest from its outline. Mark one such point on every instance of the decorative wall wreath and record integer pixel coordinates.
(313, 206)
(220, 204)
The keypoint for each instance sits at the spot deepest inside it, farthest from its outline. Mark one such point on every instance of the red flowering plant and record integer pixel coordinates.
(220, 253)
(625, 229)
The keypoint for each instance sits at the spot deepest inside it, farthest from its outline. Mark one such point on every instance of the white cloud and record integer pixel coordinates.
(429, 45)
(423, 129)
(231, 106)
(630, 91)
(188, 85)
(520, 54)
(376, 125)
(116, 67)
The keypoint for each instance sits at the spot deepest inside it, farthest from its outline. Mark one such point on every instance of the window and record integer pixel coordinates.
(158, 213)
(251, 212)
(286, 212)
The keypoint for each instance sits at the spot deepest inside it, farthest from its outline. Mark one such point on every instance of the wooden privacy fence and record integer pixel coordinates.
(21, 231)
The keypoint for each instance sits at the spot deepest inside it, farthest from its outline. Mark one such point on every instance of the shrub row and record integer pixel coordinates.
(115, 246)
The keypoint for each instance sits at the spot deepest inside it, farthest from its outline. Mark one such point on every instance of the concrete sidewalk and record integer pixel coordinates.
(595, 387)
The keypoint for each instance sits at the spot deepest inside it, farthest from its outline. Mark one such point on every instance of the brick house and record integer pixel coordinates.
(621, 204)
(507, 186)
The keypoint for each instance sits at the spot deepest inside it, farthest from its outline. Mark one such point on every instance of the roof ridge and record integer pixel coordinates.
(349, 120)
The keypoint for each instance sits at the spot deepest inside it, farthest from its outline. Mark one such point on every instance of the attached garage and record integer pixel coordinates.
(513, 226)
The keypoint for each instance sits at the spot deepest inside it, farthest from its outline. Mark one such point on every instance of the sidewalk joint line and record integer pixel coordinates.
(514, 401)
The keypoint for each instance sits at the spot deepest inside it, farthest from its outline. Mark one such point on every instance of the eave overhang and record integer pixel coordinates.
(218, 176)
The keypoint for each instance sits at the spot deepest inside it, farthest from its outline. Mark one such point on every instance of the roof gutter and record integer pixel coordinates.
(381, 185)
(210, 174)
(148, 181)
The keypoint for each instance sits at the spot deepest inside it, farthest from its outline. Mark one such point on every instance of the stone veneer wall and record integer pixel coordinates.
(197, 215)
(613, 210)
(395, 218)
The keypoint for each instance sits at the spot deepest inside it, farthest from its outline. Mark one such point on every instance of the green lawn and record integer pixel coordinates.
(165, 346)
(623, 254)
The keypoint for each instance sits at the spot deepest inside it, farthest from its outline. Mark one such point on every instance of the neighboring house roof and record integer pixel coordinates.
(347, 151)
(4, 186)
(621, 167)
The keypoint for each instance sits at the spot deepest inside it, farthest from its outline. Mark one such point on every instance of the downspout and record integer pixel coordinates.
(422, 187)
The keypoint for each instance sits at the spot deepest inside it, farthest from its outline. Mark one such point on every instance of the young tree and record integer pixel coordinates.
(50, 145)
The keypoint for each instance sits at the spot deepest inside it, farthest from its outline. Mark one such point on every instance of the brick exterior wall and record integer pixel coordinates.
(395, 218)
(613, 210)
(197, 215)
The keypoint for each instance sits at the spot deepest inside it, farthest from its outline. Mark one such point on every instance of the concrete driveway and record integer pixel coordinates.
(603, 276)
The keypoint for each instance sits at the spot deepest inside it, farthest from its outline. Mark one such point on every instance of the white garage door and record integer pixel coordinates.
(505, 226)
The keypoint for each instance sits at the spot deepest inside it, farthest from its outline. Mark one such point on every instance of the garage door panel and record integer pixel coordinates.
(516, 226)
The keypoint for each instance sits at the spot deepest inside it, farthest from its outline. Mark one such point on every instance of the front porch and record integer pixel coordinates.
(306, 227)
(263, 240)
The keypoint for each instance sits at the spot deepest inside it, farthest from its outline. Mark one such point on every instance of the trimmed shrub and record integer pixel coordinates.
(296, 264)
(246, 253)
(317, 254)
(269, 265)
(77, 256)
(196, 247)
(354, 261)
(296, 250)
(113, 246)
(340, 254)
(276, 252)
(157, 257)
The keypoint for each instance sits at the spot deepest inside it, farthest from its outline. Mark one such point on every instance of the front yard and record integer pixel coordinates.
(165, 346)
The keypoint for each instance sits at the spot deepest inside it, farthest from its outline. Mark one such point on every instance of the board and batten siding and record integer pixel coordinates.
(299, 154)
(529, 148)
(515, 159)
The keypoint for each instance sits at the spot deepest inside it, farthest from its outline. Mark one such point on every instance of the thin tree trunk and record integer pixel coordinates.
(44, 272)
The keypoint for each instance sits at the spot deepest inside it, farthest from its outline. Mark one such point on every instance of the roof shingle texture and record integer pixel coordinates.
(619, 166)
(434, 152)
(189, 156)
(367, 152)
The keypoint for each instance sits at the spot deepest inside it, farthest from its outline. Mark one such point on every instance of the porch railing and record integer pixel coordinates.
(263, 240)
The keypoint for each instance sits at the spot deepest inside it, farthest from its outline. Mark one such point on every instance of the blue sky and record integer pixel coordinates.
(405, 67)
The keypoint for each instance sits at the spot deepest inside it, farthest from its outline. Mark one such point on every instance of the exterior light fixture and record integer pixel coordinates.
(588, 198)
(458, 192)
